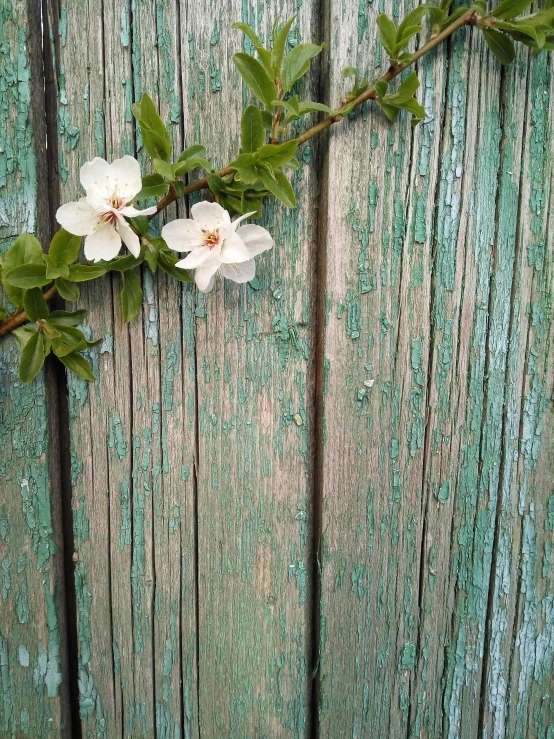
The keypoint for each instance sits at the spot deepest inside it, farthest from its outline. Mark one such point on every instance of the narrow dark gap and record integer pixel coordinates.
(60, 452)
(319, 286)
(196, 531)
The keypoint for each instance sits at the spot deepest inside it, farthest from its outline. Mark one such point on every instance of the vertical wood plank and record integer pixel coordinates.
(33, 670)
(255, 416)
(132, 431)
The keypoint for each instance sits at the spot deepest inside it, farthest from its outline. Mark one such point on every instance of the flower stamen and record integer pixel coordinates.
(211, 238)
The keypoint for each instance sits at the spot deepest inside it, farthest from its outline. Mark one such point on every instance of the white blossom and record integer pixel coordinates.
(100, 216)
(216, 245)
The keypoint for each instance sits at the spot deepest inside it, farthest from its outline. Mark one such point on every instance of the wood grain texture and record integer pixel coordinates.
(132, 432)
(419, 264)
(255, 417)
(33, 669)
(421, 464)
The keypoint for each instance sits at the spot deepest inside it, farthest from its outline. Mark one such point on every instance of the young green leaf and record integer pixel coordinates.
(64, 247)
(387, 32)
(278, 184)
(166, 262)
(26, 249)
(54, 270)
(35, 305)
(23, 335)
(510, 9)
(67, 318)
(33, 355)
(297, 63)
(252, 134)
(263, 53)
(155, 135)
(77, 364)
(480, 6)
(140, 224)
(500, 45)
(27, 276)
(164, 168)
(69, 340)
(413, 18)
(85, 272)
(276, 155)
(68, 290)
(256, 78)
(124, 263)
(279, 44)
(131, 296)
(192, 152)
(153, 186)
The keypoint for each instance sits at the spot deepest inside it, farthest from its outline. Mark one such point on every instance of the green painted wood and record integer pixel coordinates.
(194, 469)
(436, 611)
(132, 432)
(33, 672)
(255, 352)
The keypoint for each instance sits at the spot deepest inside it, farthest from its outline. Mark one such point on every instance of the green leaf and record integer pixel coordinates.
(406, 90)
(349, 72)
(140, 223)
(387, 32)
(25, 249)
(279, 44)
(403, 41)
(3, 313)
(413, 18)
(70, 339)
(77, 364)
(23, 335)
(165, 169)
(54, 270)
(278, 184)
(67, 318)
(381, 87)
(480, 6)
(245, 167)
(510, 9)
(35, 305)
(309, 107)
(252, 134)
(68, 290)
(27, 276)
(256, 78)
(155, 136)
(166, 262)
(192, 152)
(500, 45)
(263, 53)
(216, 184)
(416, 109)
(124, 263)
(454, 16)
(131, 296)
(85, 272)
(182, 168)
(64, 247)
(153, 186)
(297, 63)
(276, 155)
(33, 355)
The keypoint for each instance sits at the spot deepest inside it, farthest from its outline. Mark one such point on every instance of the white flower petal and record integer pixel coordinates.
(78, 218)
(256, 238)
(243, 272)
(96, 179)
(104, 243)
(242, 218)
(233, 250)
(204, 276)
(129, 237)
(131, 212)
(125, 173)
(197, 257)
(182, 234)
(210, 216)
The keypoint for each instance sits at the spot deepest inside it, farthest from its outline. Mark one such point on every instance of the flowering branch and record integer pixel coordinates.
(215, 243)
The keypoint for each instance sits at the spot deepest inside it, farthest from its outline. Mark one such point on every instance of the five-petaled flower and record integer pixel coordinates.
(100, 216)
(216, 244)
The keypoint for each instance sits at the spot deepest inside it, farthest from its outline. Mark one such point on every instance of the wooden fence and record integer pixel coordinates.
(318, 505)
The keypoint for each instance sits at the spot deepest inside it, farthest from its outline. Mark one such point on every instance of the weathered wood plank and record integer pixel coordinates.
(133, 431)
(255, 387)
(381, 203)
(33, 670)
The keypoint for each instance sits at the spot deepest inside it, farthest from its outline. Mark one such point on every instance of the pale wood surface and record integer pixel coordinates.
(320, 504)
